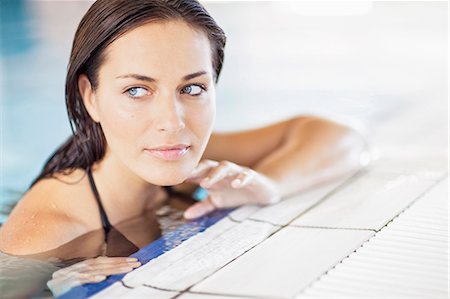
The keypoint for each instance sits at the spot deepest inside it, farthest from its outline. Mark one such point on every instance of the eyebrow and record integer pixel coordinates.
(150, 79)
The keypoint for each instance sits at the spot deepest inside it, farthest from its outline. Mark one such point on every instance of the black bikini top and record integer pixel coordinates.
(106, 223)
(116, 243)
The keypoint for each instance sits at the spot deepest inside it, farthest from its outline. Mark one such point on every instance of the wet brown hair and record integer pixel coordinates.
(103, 23)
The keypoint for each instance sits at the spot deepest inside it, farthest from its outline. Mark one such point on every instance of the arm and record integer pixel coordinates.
(265, 165)
(314, 151)
(296, 154)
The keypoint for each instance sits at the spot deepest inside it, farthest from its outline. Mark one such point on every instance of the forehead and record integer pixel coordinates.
(159, 48)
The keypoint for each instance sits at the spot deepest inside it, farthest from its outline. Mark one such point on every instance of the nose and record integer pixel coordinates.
(169, 116)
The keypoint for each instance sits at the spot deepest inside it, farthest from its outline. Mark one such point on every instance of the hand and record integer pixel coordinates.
(230, 185)
(89, 271)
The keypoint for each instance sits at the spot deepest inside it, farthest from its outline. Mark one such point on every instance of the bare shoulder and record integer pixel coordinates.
(49, 214)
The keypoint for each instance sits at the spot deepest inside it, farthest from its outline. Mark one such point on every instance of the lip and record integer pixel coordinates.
(169, 147)
(170, 152)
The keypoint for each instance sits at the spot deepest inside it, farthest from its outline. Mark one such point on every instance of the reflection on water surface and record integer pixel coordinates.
(26, 276)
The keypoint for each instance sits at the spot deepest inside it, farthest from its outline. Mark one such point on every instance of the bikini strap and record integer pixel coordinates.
(169, 189)
(106, 224)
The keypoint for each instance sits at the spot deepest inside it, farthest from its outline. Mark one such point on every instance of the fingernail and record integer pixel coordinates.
(126, 269)
(189, 214)
(132, 259)
(99, 277)
(135, 264)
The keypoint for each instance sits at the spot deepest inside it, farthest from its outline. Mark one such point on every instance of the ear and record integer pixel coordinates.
(88, 96)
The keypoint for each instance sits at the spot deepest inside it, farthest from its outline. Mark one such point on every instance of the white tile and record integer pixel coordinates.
(117, 290)
(200, 256)
(243, 212)
(367, 203)
(414, 126)
(393, 264)
(208, 296)
(287, 209)
(424, 162)
(285, 263)
(436, 197)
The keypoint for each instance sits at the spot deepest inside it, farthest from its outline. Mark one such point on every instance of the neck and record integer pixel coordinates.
(121, 191)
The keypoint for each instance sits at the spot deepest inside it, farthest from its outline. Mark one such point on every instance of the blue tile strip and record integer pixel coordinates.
(151, 251)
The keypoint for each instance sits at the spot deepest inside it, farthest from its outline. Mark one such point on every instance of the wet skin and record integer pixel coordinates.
(125, 237)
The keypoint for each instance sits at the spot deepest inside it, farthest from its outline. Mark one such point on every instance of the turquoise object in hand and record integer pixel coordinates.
(200, 194)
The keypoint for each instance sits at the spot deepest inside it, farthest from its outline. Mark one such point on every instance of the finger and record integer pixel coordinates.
(201, 170)
(105, 267)
(111, 260)
(110, 271)
(96, 278)
(199, 209)
(90, 277)
(66, 271)
(225, 169)
(242, 179)
(61, 285)
(94, 263)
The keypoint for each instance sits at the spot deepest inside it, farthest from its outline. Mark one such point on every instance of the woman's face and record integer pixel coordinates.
(156, 88)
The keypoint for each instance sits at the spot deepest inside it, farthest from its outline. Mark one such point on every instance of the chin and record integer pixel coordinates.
(169, 178)
(167, 174)
(168, 181)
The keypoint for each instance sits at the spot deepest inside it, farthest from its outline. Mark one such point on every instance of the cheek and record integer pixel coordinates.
(202, 122)
(119, 126)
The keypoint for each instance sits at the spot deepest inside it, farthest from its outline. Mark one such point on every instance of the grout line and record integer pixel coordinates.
(230, 295)
(265, 221)
(178, 295)
(330, 227)
(428, 190)
(345, 184)
(377, 231)
(232, 219)
(149, 286)
(158, 288)
(124, 285)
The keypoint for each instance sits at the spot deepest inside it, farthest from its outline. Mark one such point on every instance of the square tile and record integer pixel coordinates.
(244, 212)
(200, 256)
(285, 263)
(117, 290)
(189, 295)
(428, 163)
(289, 208)
(367, 203)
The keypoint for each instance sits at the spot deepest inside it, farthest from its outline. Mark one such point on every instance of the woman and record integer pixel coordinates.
(140, 94)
